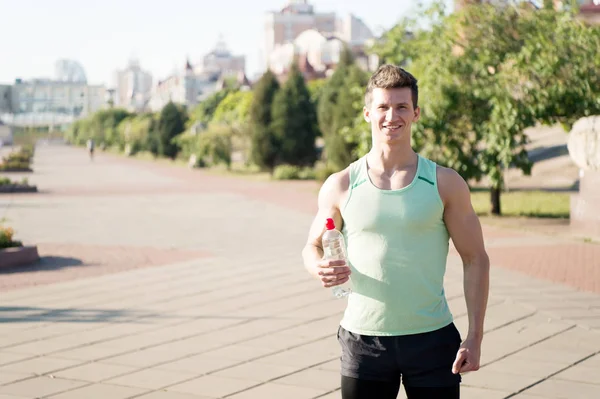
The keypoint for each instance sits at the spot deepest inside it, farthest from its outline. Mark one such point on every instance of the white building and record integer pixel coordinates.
(44, 102)
(193, 83)
(133, 87)
(298, 30)
(49, 102)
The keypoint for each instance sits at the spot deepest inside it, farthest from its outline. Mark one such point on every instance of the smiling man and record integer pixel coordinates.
(398, 211)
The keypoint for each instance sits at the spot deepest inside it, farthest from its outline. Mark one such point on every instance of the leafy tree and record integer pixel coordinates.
(135, 132)
(234, 109)
(294, 121)
(205, 110)
(487, 73)
(336, 110)
(171, 123)
(264, 147)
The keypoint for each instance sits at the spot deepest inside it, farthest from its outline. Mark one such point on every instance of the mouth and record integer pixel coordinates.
(392, 128)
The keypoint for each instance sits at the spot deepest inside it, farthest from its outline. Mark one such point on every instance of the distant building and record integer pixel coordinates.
(6, 134)
(318, 38)
(133, 87)
(220, 61)
(5, 99)
(193, 83)
(44, 102)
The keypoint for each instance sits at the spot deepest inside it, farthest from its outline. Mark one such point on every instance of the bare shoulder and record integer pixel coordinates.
(451, 185)
(334, 188)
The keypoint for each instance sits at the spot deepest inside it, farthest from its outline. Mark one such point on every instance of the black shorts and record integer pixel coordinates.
(421, 360)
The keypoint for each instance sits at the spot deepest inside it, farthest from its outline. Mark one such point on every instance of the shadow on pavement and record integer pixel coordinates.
(45, 263)
(26, 314)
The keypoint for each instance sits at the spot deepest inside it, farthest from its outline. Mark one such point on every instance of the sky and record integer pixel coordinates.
(104, 34)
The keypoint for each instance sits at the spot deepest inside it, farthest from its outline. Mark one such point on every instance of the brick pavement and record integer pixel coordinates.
(242, 319)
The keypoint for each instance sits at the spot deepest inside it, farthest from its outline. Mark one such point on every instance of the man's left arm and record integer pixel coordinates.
(465, 231)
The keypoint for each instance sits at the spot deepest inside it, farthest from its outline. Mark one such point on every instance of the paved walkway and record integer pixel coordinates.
(211, 300)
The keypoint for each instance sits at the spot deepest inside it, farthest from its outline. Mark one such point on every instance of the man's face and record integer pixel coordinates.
(391, 114)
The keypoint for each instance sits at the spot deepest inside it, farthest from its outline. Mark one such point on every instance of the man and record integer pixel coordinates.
(90, 146)
(397, 211)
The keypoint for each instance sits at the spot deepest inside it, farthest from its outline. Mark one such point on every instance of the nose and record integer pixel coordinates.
(390, 114)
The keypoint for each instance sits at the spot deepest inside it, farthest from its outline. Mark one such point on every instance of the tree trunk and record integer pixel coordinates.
(495, 197)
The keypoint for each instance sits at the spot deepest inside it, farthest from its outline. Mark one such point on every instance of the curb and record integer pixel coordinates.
(15, 188)
(18, 256)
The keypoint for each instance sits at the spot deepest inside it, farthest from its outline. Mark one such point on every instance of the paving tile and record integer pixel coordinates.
(580, 373)
(520, 366)
(272, 390)
(312, 378)
(199, 364)
(467, 392)
(144, 358)
(9, 357)
(40, 386)
(558, 389)
(257, 371)
(593, 361)
(297, 358)
(100, 391)
(8, 377)
(334, 395)
(240, 352)
(497, 380)
(151, 378)
(94, 372)
(91, 352)
(333, 365)
(169, 395)
(39, 365)
(213, 386)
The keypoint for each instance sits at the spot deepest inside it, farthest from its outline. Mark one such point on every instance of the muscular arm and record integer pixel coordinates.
(465, 231)
(330, 196)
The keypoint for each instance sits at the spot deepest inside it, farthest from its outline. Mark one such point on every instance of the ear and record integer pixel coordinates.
(366, 114)
(417, 114)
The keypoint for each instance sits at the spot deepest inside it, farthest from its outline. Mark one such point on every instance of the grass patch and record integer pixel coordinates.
(540, 204)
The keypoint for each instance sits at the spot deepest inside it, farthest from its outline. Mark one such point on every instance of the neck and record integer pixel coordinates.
(390, 158)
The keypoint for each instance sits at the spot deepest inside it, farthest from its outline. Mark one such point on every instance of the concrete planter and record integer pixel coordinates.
(18, 256)
(16, 170)
(17, 188)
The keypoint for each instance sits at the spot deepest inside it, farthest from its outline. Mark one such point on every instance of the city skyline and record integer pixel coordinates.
(160, 38)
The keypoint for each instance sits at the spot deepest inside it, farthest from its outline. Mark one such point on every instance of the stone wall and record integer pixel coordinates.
(584, 149)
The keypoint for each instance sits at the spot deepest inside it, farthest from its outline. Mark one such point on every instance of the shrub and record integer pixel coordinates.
(291, 172)
(6, 238)
(323, 171)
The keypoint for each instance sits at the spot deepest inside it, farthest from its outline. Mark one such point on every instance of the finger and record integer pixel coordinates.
(336, 277)
(330, 263)
(461, 357)
(468, 366)
(332, 271)
(334, 283)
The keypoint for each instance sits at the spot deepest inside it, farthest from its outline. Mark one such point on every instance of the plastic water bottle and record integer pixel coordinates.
(334, 248)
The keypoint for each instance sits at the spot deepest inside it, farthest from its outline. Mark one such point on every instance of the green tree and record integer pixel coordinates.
(294, 121)
(335, 110)
(205, 110)
(264, 147)
(171, 123)
(487, 73)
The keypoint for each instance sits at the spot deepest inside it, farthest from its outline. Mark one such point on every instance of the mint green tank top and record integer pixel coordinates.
(397, 249)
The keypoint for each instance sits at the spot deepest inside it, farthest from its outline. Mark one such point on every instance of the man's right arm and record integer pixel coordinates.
(332, 192)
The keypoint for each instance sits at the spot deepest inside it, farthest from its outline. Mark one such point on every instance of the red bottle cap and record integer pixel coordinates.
(330, 224)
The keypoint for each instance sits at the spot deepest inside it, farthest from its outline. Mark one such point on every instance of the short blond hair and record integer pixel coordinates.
(392, 77)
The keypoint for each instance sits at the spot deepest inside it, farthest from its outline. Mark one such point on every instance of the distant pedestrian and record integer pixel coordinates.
(90, 147)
